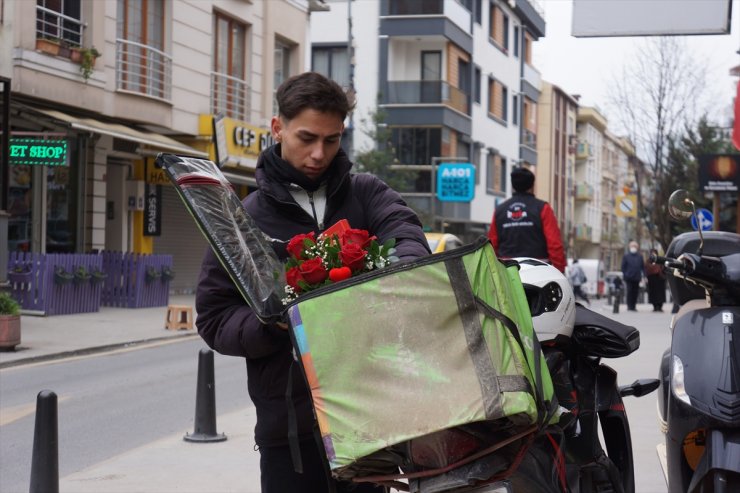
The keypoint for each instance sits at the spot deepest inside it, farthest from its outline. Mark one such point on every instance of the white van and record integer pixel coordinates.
(594, 270)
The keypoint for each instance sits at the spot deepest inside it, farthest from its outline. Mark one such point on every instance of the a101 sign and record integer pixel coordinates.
(456, 182)
(38, 152)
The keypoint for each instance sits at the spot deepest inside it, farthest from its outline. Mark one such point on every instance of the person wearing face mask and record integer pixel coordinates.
(633, 270)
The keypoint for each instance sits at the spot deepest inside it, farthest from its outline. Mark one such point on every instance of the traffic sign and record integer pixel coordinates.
(626, 205)
(456, 182)
(705, 218)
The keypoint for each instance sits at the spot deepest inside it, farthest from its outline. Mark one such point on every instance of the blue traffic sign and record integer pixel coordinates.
(705, 218)
(456, 182)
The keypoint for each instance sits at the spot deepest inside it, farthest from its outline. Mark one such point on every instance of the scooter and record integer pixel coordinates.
(699, 399)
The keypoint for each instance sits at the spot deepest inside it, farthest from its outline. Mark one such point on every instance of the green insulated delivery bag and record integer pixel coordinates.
(418, 350)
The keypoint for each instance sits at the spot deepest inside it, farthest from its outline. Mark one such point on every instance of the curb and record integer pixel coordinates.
(90, 350)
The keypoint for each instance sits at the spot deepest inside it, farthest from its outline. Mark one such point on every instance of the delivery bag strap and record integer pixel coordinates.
(295, 449)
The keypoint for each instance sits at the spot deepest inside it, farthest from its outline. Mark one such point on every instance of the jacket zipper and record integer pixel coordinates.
(320, 224)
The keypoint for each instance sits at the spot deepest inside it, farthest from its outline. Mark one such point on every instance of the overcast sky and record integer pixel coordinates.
(585, 65)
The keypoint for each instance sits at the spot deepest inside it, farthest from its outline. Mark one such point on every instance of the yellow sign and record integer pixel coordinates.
(242, 139)
(626, 205)
(155, 175)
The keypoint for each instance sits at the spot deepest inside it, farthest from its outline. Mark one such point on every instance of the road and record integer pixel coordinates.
(108, 404)
(113, 403)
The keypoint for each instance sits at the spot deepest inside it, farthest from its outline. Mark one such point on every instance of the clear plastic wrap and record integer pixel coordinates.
(243, 249)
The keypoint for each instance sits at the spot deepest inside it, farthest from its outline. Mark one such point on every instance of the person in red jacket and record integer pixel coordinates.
(525, 226)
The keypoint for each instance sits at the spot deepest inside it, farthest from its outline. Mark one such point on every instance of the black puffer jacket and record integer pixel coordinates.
(230, 327)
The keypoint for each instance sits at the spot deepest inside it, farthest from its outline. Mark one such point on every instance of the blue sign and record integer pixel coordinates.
(705, 218)
(456, 182)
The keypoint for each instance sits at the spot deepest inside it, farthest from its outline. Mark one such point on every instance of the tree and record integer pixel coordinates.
(658, 95)
(378, 159)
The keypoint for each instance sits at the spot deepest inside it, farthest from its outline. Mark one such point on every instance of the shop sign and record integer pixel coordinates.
(242, 139)
(719, 172)
(456, 182)
(38, 152)
(152, 210)
(155, 175)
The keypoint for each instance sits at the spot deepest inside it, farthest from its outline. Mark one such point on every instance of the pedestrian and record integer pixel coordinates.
(525, 226)
(633, 270)
(577, 279)
(655, 283)
(304, 184)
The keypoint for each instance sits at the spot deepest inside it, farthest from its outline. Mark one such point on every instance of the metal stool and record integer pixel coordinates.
(179, 317)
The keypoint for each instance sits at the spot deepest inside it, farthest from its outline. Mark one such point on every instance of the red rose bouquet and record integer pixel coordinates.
(336, 255)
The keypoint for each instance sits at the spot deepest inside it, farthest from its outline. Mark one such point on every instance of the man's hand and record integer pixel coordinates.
(281, 325)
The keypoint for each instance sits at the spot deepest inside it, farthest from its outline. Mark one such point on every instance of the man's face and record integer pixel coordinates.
(309, 141)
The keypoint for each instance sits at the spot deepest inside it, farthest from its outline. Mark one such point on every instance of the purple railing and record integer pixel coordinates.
(136, 280)
(56, 283)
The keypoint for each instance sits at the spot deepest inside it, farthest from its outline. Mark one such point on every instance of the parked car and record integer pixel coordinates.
(442, 242)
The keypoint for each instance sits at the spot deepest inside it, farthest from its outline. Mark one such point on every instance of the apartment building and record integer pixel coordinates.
(590, 128)
(455, 82)
(556, 152)
(110, 84)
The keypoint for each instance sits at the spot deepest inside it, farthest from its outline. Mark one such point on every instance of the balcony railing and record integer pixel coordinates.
(583, 151)
(51, 24)
(415, 7)
(529, 138)
(583, 232)
(426, 92)
(584, 191)
(229, 95)
(143, 69)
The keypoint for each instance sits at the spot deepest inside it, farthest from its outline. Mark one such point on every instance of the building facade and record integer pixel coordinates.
(454, 81)
(115, 83)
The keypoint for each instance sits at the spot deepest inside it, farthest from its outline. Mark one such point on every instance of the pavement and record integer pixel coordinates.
(170, 464)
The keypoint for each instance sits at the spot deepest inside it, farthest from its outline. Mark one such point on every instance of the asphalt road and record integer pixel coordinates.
(108, 404)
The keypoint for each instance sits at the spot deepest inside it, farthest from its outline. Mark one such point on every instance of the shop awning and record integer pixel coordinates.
(117, 130)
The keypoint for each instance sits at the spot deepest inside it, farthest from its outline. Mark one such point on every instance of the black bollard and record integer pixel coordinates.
(617, 296)
(205, 402)
(45, 459)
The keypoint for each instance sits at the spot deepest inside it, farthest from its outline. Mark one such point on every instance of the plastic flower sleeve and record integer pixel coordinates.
(243, 249)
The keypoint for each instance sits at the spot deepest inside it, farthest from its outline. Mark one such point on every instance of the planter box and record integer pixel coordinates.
(10, 331)
(47, 46)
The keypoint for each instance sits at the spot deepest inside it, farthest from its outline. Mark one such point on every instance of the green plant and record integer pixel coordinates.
(8, 305)
(88, 61)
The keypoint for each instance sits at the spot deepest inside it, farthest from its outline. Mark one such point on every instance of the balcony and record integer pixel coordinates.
(583, 232)
(415, 7)
(230, 96)
(529, 139)
(143, 69)
(532, 76)
(583, 151)
(418, 92)
(448, 18)
(584, 191)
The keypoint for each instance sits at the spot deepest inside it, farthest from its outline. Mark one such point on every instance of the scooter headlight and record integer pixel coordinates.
(677, 381)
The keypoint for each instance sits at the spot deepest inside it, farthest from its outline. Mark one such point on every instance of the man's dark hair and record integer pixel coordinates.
(522, 179)
(311, 90)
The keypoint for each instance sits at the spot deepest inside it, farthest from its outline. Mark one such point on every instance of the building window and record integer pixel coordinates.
(497, 100)
(59, 20)
(495, 173)
(416, 145)
(515, 110)
(142, 65)
(527, 47)
(529, 123)
(516, 41)
(499, 27)
(415, 7)
(228, 87)
(477, 84)
(479, 12)
(333, 62)
(282, 70)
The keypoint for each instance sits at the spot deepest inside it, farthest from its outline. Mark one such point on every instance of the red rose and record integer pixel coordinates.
(358, 236)
(296, 247)
(313, 271)
(353, 256)
(292, 277)
(340, 274)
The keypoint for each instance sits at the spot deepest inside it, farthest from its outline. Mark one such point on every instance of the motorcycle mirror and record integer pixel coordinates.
(680, 206)
(640, 387)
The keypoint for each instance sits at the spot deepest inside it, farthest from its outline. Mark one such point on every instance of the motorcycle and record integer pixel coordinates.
(570, 456)
(699, 398)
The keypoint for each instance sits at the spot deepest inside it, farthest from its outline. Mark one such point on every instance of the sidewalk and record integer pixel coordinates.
(170, 464)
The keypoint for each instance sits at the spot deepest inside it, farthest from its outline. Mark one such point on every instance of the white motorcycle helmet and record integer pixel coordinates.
(550, 298)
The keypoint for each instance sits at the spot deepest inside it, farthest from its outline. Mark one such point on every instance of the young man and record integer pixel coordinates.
(577, 279)
(304, 184)
(524, 226)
